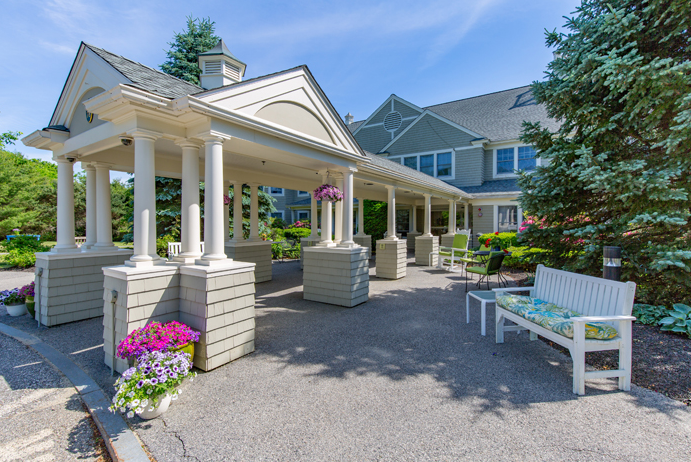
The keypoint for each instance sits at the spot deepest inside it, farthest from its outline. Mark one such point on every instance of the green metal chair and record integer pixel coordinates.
(468, 259)
(449, 254)
(492, 267)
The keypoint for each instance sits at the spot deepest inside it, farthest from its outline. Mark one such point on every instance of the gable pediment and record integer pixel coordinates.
(290, 99)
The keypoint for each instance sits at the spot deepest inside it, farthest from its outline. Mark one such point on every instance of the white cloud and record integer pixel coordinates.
(56, 47)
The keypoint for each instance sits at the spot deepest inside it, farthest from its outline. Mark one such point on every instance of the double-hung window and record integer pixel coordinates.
(410, 162)
(303, 193)
(443, 164)
(276, 191)
(303, 215)
(509, 160)
(507, 218)
(439, 165)
(427, 164)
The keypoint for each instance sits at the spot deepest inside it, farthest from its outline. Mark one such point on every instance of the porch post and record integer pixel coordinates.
(144, 201)
(391, 214)
(428, 215)
(254, 212)
(412, 226)
(104, 215)
(238, 235)
(361, 216)
(226, 212)
(91, 221)
(347, 208)
(466, 224)
(451, 225)
(314, 218)
(338, 212)
(213, 202)
(65, 227)
(190, 225)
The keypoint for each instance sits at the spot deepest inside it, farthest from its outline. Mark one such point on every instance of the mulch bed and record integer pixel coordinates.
(661, 360)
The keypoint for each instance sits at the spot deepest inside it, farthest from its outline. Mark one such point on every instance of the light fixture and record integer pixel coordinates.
(369, 184)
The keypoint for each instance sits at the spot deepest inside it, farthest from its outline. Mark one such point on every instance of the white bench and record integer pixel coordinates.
(597, 300)
(174, 248)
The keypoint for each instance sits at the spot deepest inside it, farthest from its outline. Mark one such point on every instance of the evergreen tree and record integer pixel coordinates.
(619, 169)
(185, 49)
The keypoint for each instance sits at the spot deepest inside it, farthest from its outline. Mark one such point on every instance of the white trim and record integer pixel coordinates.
(282, 212)
(452, 151)
(379, 124)
(306, 193)
(436, 116)
(298, 212)
(515, 160)
(388, 100)
(271, 188)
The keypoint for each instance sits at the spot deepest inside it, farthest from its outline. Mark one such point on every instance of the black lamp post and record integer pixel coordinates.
(611, 263)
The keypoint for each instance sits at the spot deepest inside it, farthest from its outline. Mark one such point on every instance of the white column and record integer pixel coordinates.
(144, 201)
(451, 224)
(314, 218)
(414, 225)
(226, 213)
(213, 202)
(238, 235)
(91, 221)
(391, 214)
(327, 212)
(347, 209)
(361, 216)
(338, 212)
(65, 228)
(428, 215)
(254, 212)
(190, 221)
(104, 215)
(466, 216)
(455, 216)
(411, 219)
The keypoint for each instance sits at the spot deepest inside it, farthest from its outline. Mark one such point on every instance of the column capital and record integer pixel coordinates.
(65, 160)
(188, 143)
(101, 165)
(213, 137)
(253, 183)
(388, 186)
(427, 196)
(142, 134)
(88, 167)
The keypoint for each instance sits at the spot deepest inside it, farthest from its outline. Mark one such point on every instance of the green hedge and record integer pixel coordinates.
(21, 251)
(523, 258)
(375, 220)
(507, 239)
(296, 233)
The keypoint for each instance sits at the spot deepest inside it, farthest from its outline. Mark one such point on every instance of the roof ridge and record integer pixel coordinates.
(140, 64)
(477, 96)
(253, 79)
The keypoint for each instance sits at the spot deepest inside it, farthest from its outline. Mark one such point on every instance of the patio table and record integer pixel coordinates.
(484, 297)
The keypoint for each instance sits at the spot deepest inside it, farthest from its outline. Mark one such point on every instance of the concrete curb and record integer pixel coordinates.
(122, 444)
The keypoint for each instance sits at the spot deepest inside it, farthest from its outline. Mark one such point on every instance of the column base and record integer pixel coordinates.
(105, 248)
(65, 249)
(145, 263)
(187, 258)
(258, 253)
(213, 262)
(411, 239)
(391, 258)
(337, 276)
(423, 246)
(364, 241)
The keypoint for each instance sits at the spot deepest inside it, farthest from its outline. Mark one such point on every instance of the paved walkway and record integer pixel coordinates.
(43, 418)
(402, 377)
(11, 279)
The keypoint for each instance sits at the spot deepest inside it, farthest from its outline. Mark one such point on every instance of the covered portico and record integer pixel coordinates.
(278, 130)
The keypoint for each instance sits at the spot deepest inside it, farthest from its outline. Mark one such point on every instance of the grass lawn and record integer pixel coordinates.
(122, 245)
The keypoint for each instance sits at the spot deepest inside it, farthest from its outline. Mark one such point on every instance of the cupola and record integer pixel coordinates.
(219, 67)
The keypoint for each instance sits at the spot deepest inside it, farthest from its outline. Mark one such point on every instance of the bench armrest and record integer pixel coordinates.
(452, 248)
(514, 289)
(602, 318)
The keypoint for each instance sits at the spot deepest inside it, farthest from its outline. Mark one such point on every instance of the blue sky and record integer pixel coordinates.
(427, 52)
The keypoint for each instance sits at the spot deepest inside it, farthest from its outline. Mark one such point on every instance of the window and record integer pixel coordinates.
(278, 214)
(303, 193)
(526, 158)
(507, 218)
(276, 191)
(410, 162)
(427, 164)
(303, 215)
(444, 164)
(517, 158)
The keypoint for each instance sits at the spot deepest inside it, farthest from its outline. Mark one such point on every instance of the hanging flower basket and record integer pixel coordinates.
(327, 192)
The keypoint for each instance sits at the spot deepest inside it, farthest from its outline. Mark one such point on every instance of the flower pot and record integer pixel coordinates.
(496, 248)
(186, 348)
(16, 310)
(31, 306)
(162, 407)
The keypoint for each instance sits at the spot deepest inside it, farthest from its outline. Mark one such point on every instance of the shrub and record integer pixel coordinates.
(375, 220)
(649, 315)
(507, 239)
(276, 251)
(297, 233)
(277, 234)
(162, 245)
(21, 250)
(278, 223)
(294, 251)
(523, 258)
(679, 320)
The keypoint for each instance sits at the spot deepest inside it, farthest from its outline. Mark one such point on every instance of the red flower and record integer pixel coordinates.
(487, 242)
(506, 251)
(497, 233)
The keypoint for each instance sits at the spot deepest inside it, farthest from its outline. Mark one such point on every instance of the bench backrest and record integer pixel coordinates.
(587, 295)
(174, 248)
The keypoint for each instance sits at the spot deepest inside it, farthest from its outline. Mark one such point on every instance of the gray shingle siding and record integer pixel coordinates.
(485, 223)
(379, 116)
(405, 110)
(469, 168)
(430, 134)
(373, 139)
(489, 165)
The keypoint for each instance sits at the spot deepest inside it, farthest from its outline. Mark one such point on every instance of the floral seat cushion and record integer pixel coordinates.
(552, 317)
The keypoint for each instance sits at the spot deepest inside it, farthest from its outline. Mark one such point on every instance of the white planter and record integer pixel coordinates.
(16, 310)
(158, 410)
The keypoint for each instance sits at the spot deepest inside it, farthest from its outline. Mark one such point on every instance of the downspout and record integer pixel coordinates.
(113, 299)
(37, 298)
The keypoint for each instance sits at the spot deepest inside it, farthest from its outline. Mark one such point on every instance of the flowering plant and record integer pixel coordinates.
(327, 192)
(27, 290)
(226, 199)
(156, 375)
(301, 224)
(494, 241)
(12, 297)
(156, 337)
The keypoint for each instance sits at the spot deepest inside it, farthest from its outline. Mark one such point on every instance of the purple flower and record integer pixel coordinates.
(154, 381)
(140, 384)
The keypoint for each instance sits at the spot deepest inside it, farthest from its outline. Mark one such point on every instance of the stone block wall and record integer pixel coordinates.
(219, 304)
(391, 258)
(364, 241)
(337, 276)
(258, 253)
(71, 285)
(423, 246)
(141, 298)
(411, 240)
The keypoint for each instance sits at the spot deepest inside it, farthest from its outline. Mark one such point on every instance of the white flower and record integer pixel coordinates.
(130, 415)
(139, 410)
(151, 409)
(121, 402)
(149, 391)
(130, 394)
(179, 391)
(135, 403)
(145, 402)
(115, 399)
(122, 409)
(174, 397)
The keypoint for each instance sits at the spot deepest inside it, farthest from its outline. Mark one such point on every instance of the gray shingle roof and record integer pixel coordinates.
(354, 126)
(220, 49)
(496, 186)
(498, 116)
(146, 78)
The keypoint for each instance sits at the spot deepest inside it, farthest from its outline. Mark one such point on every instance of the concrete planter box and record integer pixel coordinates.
(364, 241)
(258, 252)
(423, 246)
(336, 275)
(391, 258)
(411, 240)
